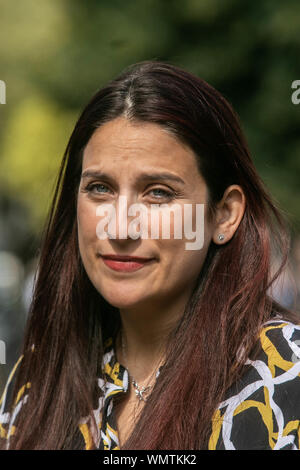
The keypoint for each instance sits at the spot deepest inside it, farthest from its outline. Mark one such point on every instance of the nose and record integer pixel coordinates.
(123, 220)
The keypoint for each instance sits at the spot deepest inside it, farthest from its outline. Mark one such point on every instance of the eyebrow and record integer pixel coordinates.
(142, 177)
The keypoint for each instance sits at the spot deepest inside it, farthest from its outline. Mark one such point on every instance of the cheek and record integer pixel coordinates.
(86, 223)
(189, 262)
(180, 265)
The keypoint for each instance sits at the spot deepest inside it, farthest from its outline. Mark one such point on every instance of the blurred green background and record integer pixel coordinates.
(54, 54)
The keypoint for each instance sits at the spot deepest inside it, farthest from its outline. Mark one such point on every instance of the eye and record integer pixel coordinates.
(91, 188)
(162, 194)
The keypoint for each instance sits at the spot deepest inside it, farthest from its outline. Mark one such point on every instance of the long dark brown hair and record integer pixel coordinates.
(68, 317)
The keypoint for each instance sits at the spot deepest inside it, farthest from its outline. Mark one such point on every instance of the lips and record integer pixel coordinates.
(125, 263)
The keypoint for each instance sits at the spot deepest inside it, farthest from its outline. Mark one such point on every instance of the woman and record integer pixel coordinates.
(137, 342)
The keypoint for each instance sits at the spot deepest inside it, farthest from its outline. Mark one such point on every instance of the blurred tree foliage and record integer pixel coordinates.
(54, 54)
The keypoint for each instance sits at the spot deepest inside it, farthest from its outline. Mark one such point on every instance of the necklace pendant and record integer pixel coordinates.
(139, 394)
(139, 391)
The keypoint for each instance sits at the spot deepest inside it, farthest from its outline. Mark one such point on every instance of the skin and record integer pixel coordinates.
(151, 299)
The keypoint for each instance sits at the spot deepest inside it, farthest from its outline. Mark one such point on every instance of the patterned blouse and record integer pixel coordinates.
(261, 411)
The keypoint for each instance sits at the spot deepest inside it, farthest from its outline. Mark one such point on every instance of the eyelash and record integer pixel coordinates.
(169, 195)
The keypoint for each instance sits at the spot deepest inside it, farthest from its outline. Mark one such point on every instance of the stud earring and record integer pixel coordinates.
(221, 236)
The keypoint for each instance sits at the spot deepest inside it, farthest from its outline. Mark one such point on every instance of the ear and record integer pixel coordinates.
(230, 211)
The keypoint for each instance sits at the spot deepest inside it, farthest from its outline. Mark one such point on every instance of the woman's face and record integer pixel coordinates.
(125, 157)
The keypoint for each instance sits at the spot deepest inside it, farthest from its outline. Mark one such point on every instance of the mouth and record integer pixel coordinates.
(124, 263)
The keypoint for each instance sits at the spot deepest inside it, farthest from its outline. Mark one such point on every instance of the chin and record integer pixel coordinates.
(123, 300)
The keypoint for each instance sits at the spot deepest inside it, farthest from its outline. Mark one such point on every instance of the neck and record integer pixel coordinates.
(145, 335)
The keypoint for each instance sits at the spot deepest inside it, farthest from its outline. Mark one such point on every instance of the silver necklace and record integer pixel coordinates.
(139, 391)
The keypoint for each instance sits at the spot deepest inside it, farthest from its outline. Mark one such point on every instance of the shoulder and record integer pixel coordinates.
(262, 410)
(10, 408)
(280, 345)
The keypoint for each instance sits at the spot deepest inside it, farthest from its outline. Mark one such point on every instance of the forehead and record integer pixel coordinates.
(121, 144)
